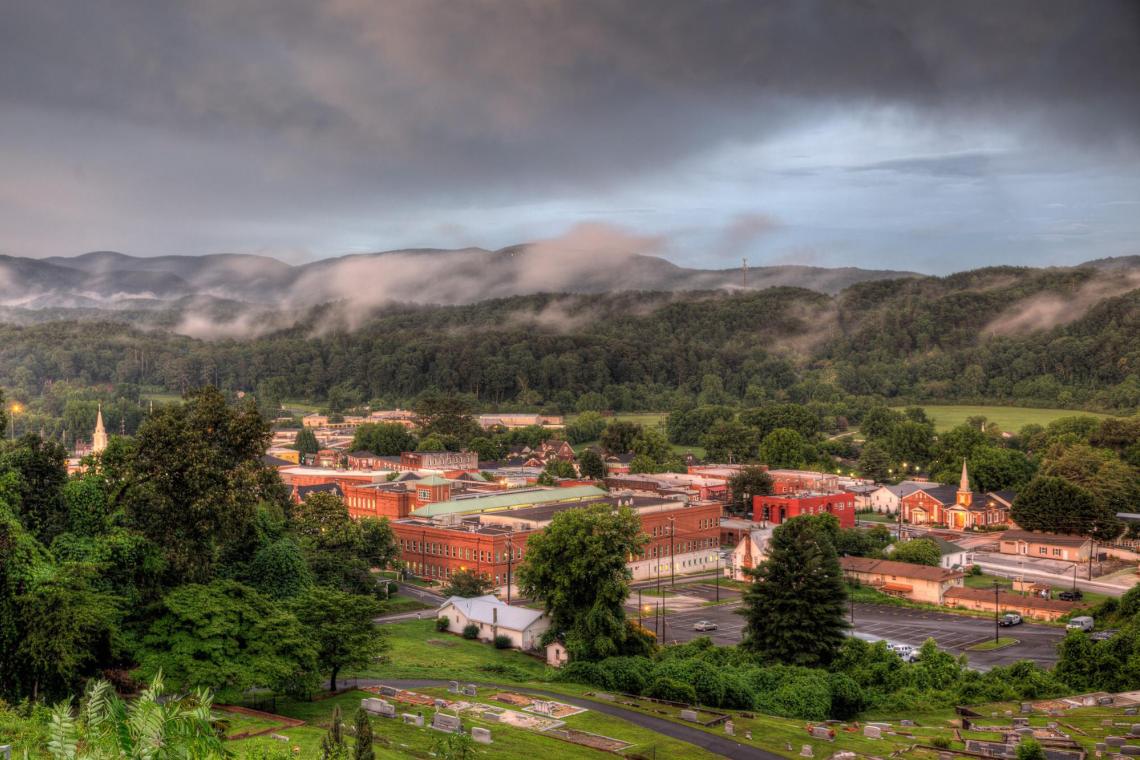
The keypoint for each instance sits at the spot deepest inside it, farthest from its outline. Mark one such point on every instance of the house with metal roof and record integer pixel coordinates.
(493, 617)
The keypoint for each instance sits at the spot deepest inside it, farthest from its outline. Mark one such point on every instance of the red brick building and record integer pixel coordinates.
(485, 543)
(776, 509)
(798, 481)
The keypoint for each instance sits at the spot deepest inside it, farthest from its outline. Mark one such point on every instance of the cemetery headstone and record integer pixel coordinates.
(279, 737)
(689, 715)
(729, 728)
(807, 751)
(447, 723)
(389, 691)
(1130, 711)
(413, 720)
(453, 687)
(1026, 708)
(872, 732)
(1114, 741)
(821, 732)
(481, 735)
(469, 690)
(1130, 750)
(1135, 730)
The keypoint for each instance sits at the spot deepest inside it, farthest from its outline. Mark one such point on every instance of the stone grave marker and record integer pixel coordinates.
(1114, 741)
(1026, 708)
(807, 751)
(730, 728)
(821, 732)
(371, 704)
(1130, 711)
(689, 715)
(481, 735)
(440, 703)
(453, 687)
(469, 690)
(279, 737)
(748, 734)
(413, 720)
(447, 723)
(1130, 750)
(389, 691)
(1101, 746)
(1106, 722)
(905, 722)
(1020, 722)
(1135, 730)
(872, 732)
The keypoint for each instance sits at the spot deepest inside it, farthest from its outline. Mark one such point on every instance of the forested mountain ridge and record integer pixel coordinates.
(106, 279)
(1065, 336)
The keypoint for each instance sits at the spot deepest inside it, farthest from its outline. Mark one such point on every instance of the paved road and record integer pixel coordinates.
(421, 594)
(720, 745)
(953, 633)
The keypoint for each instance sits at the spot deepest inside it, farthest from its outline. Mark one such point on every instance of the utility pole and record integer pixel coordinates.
(639, 606)
(510, 560)
(997, 604)
(423, 554)
(718, 573)
(673, 564)
(1091, 553)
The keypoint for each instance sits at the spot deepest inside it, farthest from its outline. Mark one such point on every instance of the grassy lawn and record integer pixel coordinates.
(878, 517)
(419, 651)
(395, 739)
(1010, 418)
(991, 645)
(1090, 598)
(404, 604)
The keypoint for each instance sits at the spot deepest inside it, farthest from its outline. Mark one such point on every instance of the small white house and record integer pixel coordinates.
(556, 654)
(748, 553)
(889, 498)
(494, 617)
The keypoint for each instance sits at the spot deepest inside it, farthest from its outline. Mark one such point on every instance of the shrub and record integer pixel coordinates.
(442, 623)
(581, 671)
(502, 642)
(975, 570)
(672, 691)
(847, 697)
(793, 692)
(629, 675)
(1030, 749)
(471, 631)
(941, 742)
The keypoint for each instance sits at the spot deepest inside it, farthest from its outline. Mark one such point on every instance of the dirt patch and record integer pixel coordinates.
(442, 643)
(595, 741)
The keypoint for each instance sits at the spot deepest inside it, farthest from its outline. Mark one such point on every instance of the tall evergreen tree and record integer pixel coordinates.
(306, 441)
(363, 749)
(795, 605)
(332, 744)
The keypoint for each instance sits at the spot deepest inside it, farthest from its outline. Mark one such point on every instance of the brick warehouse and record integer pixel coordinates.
(777, 509)
(493, 541)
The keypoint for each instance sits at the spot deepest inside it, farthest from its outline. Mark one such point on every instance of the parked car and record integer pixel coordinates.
(1074, 595)
(905, 651)
(1080, 623)
(1010, 618)
(704, 625)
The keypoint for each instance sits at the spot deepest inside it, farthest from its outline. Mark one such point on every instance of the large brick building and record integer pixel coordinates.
(957, 508)
(491, 538)
(776, 509)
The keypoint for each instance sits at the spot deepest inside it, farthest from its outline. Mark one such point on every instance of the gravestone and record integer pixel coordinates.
(872, 732)
(689, 715)
(1101, 746)
(1135, 730)
(389, 691)
(413, 720)
(807, 751)
(1130, 711)
(371, 704)
(542, 707)
(1026, 708)
(1106, 722)
(730, 728)
(821, 732)
(1130, 750)
(1105, 701)
(748, 734)
(1114, 741)
(1020, 722)
(905, 722)
(469, 690)
(447, 723)
(279, 737)
(440, 703)
(481, 735)
(387, 711)
(1009, 713)
(453, 687)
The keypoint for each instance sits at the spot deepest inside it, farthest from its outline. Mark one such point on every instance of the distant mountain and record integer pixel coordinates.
(111, 280)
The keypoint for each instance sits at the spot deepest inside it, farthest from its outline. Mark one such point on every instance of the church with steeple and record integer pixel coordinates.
(958, 508)
(99, 437)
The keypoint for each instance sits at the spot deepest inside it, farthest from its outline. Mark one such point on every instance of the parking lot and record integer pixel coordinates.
(953, 633)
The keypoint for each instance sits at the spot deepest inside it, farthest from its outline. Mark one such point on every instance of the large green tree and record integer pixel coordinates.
(577, 569)
(744, 485)
(468, 583)
(1055, 505)
(619, 436)
(783, 447)
(795, 606)
(994, 469)
(729, 441)
(340, 626)
(306, 441)
(228, 638)
(918, 551)
(591, 465)
(383, 439)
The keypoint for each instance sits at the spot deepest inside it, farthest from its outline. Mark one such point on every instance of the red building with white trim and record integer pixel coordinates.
(776, 509)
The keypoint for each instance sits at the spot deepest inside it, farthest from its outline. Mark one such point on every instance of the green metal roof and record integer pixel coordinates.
(508, 500)
(434, 480)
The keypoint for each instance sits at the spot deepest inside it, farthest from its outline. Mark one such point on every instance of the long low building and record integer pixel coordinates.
(684, 537)
(982, 599)
(919, 583)
(1029, 543)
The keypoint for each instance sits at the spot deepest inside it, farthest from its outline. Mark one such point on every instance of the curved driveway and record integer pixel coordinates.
(720, 745)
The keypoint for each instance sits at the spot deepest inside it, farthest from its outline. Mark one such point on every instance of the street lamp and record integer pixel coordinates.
(15, 408)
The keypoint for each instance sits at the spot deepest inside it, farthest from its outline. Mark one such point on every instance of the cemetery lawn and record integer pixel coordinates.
(419, 651)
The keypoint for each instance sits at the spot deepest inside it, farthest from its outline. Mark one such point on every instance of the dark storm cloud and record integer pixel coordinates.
(347, 104)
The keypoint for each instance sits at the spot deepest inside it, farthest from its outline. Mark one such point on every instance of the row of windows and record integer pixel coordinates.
(447, 550)
(443, 571)
(682, 547)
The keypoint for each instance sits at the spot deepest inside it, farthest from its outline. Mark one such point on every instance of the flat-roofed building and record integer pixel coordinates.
(1060, 546)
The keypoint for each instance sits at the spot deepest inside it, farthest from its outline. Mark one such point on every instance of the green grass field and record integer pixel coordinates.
(1009, 418)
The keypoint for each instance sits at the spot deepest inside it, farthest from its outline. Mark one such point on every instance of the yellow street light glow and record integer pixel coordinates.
(17, 408)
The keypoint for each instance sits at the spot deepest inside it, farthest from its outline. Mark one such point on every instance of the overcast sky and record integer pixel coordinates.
(925, 135)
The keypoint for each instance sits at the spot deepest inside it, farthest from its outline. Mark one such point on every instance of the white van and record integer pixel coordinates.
(1082, 623)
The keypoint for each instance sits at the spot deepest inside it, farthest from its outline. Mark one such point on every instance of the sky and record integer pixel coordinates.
(905, 134)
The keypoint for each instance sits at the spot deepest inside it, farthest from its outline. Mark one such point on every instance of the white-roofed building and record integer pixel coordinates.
(889, 498)
(494, 617)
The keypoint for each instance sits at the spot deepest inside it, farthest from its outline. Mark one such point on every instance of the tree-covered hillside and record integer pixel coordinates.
(1064, 337)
